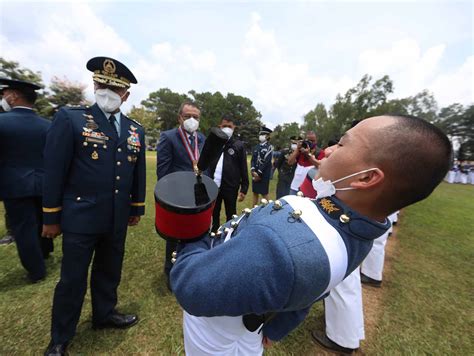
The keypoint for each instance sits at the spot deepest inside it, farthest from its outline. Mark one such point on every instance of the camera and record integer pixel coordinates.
(306, 144)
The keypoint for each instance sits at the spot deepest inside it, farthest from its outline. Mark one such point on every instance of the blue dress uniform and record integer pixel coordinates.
(281, 257)
(22, 139)
(261, 163)
(94, 181)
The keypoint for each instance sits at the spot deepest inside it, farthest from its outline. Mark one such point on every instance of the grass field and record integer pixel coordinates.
(427, 296)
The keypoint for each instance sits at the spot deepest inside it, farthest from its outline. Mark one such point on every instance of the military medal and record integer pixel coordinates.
(91, 124)
(95, 155)
(193, 156)
(133, 141)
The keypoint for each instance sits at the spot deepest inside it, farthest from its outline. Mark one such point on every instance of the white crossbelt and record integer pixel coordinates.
(329, 237)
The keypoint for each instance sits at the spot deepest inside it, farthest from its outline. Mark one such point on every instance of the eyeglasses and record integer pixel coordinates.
(188, 116)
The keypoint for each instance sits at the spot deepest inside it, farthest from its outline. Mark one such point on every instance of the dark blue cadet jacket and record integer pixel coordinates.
(94, 181)
(280, 259)
(22, 139)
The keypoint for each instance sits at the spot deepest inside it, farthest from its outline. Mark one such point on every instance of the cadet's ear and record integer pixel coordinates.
(369, 179)
(125, 97)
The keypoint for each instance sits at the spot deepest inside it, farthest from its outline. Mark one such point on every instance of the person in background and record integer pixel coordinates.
(261, 165)
(230, 173)
(285, 170)
(22, 139)
(178, 150)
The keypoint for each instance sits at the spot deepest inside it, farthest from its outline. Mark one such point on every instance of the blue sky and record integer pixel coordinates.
(285, 56)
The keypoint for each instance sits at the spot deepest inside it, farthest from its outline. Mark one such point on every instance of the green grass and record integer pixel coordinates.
(427, 301)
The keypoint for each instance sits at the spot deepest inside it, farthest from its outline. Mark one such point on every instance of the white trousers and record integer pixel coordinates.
(219, 336)
(373, 264)
(344, 313)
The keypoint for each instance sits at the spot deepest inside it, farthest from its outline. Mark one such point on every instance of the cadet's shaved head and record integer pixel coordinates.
(414, 155)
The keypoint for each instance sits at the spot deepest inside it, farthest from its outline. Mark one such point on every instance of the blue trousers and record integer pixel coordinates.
(25, 220)
(106, 250)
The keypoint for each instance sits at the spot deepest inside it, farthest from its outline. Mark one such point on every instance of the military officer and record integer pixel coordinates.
(22, 139)
(286, 171)
(94, 187)
(272, 263)
(261, 165)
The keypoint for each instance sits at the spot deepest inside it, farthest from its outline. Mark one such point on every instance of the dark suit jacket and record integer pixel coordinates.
(171, 155)
(22, 139)
(234, 167)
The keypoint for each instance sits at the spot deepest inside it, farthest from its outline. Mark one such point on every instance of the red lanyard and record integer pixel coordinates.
(192, 156)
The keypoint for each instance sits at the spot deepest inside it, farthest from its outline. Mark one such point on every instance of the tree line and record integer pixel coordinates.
(158, 112)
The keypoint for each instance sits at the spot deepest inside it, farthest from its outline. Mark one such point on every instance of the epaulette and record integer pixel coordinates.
(77, 107)
(135, 121)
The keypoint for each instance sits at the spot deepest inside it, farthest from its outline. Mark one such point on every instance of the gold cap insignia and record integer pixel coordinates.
(109, 66)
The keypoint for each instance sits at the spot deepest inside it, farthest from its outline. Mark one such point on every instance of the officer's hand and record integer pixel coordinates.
(133, 220)
(267, 342)
(241, 196)
(51, 231)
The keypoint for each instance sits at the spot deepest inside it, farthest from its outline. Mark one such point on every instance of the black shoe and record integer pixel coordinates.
(168, 284)
(7, 239)
(330, 345)
(55, 349)
(35, 279)
(370, 281)
(117, 321)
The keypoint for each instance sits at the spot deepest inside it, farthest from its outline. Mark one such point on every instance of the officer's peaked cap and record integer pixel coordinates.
(111, 72)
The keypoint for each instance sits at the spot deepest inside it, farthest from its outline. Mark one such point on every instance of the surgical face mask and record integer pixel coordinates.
(326, 188)
(108, 100)
(191, 125)
(5, 105)
(262, 138)
(294, 146)
(228, 131)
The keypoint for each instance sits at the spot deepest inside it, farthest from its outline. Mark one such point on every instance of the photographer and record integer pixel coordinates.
(305, 158)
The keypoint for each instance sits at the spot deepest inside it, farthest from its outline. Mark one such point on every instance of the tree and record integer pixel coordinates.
(12, 70)
(63, 92)
(148, 120)
(281, 135)
(165, 104)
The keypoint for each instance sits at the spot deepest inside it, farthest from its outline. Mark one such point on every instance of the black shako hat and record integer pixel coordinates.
(111, 72)
(20, 85)
(265, 131)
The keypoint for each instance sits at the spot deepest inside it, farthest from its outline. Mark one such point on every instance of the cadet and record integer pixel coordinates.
(275, 261)
(94, 187)
(261, 165)
(22, 139)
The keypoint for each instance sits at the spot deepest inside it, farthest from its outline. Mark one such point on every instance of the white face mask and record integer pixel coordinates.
(327, 188)
(228, 131)
(108, 100)
(293, 146)
(262, 138)
(191, 125)
(5, 105)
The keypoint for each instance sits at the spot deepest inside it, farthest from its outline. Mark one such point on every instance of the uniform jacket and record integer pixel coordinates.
(22, 139)
(93, 180)
(234, 167)
(274, 262)
(262, 160)
(171, 154)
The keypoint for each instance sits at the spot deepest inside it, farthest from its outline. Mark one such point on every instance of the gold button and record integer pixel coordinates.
(95, 144)
(344, 218)
(78, 198)
(173, 260)
(247, 211)
(174, 254)
(118, 177)
(226, 230)
(264, 201)
(234, 224)
(119, 149)
(119, 163)
(116, 191)
(235, 216)
(85, 143)
(300, 194)
(105, 146)
(213, 234)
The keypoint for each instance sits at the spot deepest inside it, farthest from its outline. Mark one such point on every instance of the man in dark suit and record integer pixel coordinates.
(94, 187)
(178, 150)
(22, 139)
(230, 173)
